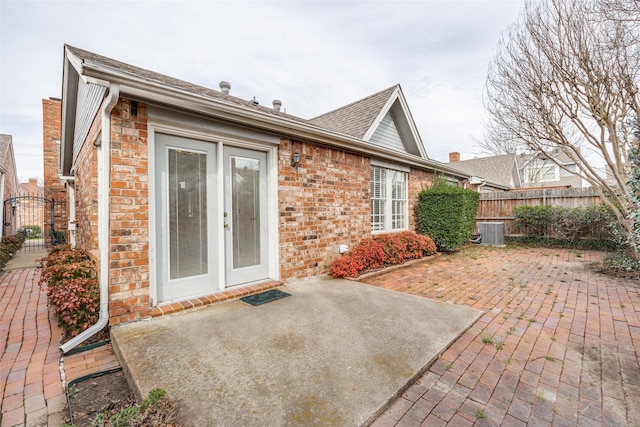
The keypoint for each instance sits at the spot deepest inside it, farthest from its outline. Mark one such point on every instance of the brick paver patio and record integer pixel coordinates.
(558, 345)
(30, 381)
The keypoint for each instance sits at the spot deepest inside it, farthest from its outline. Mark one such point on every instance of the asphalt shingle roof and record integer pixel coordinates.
(356, 118)
(496, 169)
(5, 140)
(152, 76)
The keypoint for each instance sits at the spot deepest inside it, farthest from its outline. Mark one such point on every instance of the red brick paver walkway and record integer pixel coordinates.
(30, 382)
(558, 344)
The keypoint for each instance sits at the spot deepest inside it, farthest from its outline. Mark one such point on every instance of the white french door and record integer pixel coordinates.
(212, 228)
(187, 236)
(246, 231)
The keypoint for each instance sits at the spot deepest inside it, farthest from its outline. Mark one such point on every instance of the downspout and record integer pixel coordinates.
(104, 185)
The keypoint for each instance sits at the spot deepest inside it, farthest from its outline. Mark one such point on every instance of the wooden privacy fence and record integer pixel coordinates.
(498, 206)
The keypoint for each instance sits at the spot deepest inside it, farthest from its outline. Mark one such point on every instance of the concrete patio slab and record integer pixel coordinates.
(336, 352)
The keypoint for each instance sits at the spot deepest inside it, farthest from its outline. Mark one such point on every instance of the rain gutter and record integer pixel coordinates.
(104, 186)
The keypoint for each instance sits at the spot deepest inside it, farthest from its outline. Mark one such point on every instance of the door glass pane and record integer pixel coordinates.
(245, 216)
(187, 213)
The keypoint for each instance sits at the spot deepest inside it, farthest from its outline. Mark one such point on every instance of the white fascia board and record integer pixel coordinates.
(412, 125)
(145, 90)
(381, 114)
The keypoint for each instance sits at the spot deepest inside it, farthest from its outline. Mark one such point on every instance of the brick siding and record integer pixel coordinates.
(53, 186)
(322, 204)
(129, 214)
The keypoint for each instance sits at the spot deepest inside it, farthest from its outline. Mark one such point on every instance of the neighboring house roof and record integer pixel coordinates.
(501, 169)
(5, 142)
(6, 150)
(83, 68)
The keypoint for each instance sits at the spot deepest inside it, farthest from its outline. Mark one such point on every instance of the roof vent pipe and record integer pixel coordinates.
(277, 104)
(225, 87)
(254, 101)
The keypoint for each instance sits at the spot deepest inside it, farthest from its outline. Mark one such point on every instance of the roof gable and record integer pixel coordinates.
(382, 118)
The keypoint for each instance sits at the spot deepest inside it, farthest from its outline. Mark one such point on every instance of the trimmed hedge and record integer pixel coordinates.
(565, 223)
(447, 214)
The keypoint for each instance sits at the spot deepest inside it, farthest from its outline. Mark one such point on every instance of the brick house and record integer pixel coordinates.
(8, 182)
(186, 195)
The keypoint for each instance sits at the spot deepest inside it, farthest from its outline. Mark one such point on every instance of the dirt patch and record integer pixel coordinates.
(107, 393)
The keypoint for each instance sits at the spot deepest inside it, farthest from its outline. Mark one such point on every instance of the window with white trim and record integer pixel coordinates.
(389, 203)
(541, 172)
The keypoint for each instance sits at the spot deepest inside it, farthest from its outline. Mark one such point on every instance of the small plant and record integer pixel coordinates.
(154, 397)
(550, 358)
(448, 366)
(499, 345)
(487, 340)
(480, 414)
(125, 417)
(73, 391)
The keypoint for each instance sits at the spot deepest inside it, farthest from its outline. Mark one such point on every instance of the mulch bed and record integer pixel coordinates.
(107, 394)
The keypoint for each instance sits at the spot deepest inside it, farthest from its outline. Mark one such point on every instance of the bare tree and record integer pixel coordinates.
(565, 77)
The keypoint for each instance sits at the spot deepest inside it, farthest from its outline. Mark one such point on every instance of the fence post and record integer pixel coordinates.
(53, 223)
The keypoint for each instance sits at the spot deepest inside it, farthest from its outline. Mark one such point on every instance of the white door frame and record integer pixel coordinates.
(171, 128)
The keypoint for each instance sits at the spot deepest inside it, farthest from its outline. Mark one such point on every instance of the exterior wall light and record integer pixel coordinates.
(295, 160)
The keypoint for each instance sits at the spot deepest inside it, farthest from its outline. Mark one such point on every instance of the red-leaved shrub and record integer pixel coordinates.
(369, 254)
(383, 249)
(345, 266)
(69, 278)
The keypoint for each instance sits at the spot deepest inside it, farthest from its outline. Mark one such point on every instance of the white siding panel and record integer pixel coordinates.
(88, 101)
(387, 134)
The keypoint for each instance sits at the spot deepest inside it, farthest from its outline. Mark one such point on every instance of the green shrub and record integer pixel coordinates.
(447, 214)
(620, 262)
(33, 231)
(9, 245)
(533, 220)
(564, 223)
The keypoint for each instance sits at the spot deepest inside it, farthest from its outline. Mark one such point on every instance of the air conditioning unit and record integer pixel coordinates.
(492, 233)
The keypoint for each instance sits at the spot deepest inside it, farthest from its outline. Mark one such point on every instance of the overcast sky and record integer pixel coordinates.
(313, 55)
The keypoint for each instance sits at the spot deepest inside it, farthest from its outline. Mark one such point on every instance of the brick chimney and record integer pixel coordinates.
(33, 187)
(454, 156)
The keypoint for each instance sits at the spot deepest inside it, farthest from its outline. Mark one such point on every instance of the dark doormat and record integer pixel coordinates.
(265, 297)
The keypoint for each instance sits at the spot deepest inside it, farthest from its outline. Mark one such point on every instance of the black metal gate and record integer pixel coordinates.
(33, 217)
